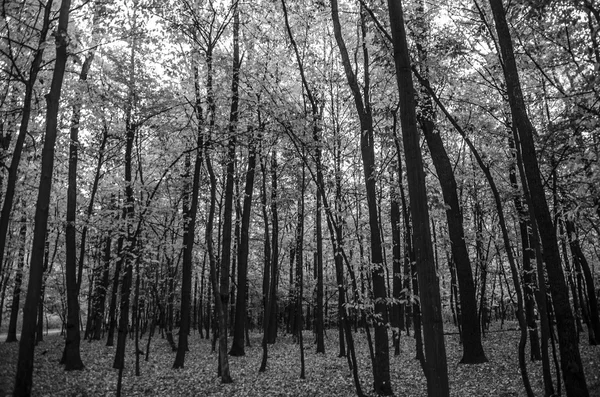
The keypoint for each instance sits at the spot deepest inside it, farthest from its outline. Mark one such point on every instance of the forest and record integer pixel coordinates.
(300, 198)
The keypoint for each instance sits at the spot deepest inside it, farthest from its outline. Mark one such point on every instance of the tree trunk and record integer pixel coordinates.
(299, 270)
(237, 347)
(14, 308)
(266, 268)
(577, 253)
(472, 348)
(223, 367)
(24, 374)
(397, 306)
(381, 366)
(571, 364)
(112, 312)
(435, 351)
(11, 182)
(505, 236)
(71, 355)
(272, 335)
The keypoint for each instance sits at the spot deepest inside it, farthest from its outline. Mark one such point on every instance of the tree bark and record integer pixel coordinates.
(26, 114)
(237, 347)
(14, 308)
(24, 373)
(471, 336)
(435, 351)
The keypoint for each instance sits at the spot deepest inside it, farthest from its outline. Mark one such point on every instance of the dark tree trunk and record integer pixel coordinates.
(397, 306)
(266, 268)
(272, 334)
(71, 355)
(529, 279)
(505, 237)
(299, 270)
(338, 249)
(102, 288)
(571, 364)
(472, 348)
(435, 351)
(579, 258)
(14, 308)
(223, 367)
(40, 320)
(237, 347)
(112, 312)
(26, 114)
(190, 230)
(129, 244)
(24, 374)
(381, 365)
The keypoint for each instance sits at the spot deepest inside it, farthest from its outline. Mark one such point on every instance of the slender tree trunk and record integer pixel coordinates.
(381, 368)
(102, 286)
(472, 348)
(40, 320)
(71, 355)
(299, 270)
(11, 182)
(570, 276)
(272, 335)
(24, 373)
(223, 368)
(571, 364)
(266, 269)
(397, 306)
(14, 308)
(129, 244)
(435, 350)
(237, 348)
(112, 312)
(225, 261)
(505, 236)
(577, 253)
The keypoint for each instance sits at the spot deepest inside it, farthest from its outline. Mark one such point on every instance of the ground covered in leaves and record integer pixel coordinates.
(326, 374)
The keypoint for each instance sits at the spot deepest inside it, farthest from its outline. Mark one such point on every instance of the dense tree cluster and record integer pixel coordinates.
(219, 166)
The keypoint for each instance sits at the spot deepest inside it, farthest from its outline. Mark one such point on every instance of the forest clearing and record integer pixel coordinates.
(371, 192)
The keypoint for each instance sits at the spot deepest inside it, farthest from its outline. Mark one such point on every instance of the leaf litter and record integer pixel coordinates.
(326, 374)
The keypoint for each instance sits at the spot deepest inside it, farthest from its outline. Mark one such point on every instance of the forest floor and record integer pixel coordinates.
(326, 374)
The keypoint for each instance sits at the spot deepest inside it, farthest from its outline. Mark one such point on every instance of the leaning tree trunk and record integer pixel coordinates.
(23, 381)
(471, 336)
(11, 182)
(381, 365)
(435, 350)
(571, 364)
(505, 236)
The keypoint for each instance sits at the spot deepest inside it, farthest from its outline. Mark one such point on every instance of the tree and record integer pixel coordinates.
(571, 366)
(381, 369)
(435, 350)
(26, 346)
(471, 336)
